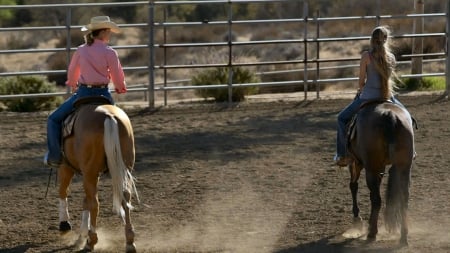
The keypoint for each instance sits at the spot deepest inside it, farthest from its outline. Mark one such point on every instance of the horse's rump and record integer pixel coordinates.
(383, 131)
(85, 143)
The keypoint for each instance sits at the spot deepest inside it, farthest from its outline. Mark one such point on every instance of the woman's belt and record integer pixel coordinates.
(94, 86)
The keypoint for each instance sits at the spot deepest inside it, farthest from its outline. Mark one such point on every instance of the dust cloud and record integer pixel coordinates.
(237, 221)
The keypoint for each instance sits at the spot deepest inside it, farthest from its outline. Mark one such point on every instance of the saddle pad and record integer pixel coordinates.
(68, 123)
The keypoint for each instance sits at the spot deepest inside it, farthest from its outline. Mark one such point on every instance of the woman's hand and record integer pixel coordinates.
(120, 91)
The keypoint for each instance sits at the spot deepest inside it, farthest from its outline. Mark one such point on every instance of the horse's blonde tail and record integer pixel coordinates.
(122, 180)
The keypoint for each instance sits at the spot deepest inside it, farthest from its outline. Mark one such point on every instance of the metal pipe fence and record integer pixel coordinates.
(309, 67)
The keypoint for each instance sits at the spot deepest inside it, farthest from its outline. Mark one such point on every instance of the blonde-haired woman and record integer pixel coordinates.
(92, 67)
(376, 69)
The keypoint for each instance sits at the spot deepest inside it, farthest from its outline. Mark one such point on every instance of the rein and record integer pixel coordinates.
(48, 183)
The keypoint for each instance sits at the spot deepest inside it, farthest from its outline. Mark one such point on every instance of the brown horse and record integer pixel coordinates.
(101, 140)
(383, 136)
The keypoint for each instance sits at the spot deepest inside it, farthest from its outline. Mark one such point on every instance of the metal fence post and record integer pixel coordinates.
(151, 43)
(317, 55)
(69, 40)
(165, 54)
(447, 49)
(305, 43)
(417, 43)
(230, 53)
(378, 12)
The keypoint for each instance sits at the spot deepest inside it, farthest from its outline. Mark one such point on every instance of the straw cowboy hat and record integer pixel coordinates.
(101, 22)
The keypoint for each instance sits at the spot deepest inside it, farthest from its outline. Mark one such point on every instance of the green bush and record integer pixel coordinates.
(220, 76)
(424, 84)
(28, 85)
(407, 84)
(433, 83)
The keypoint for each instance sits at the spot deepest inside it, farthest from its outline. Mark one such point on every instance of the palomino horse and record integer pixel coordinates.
(101, 140)
(383, 136)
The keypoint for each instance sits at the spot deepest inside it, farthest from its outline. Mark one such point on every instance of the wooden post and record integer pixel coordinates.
(417, 42)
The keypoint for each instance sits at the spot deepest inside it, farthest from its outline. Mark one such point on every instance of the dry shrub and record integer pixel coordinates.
(21, 40)
(220, 76)
(28, 85)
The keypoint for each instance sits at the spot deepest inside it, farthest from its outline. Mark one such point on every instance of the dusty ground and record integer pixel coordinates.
(257, 177)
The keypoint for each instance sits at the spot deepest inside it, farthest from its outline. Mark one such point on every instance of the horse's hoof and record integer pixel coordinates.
(357, 219)
(371, 238)
(358, 223)
(88, 248)
(91, 241)
(130, 248)
(80, 243)
(64, 226)
(404, 242)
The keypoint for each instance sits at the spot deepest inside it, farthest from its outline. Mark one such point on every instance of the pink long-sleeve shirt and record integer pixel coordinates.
(96, 64)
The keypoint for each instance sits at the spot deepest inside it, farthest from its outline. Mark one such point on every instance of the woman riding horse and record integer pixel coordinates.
(102, 139)
(376, 69)
(382, 135)
(92, 67)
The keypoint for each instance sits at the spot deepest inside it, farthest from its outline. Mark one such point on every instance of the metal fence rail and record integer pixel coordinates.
(309, 38)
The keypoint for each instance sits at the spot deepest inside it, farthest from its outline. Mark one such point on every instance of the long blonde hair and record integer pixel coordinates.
(383, 58)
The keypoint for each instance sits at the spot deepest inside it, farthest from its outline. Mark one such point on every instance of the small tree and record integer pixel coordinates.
(28, 85)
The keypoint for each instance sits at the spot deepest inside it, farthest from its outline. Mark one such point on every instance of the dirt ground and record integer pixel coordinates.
(257, 177)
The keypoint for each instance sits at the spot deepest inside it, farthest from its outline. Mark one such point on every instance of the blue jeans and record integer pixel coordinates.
(56, 118)
(344, 118)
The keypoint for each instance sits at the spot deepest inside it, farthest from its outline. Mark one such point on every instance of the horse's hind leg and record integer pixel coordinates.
(90, 211)
(84, 226)
(129, 230)
(355, 172)
(65, 177)
(373, 180)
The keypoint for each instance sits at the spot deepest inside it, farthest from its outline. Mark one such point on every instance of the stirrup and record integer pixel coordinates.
(341, 161)
(50, 163)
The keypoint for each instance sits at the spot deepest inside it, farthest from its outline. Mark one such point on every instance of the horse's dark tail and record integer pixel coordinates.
(397, 195)
(397, 192)
(390, 122)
